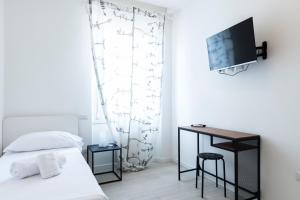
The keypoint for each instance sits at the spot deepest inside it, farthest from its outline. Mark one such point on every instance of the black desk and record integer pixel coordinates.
(237, 142)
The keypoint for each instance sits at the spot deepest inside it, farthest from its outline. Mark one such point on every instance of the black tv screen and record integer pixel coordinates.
(232, 47)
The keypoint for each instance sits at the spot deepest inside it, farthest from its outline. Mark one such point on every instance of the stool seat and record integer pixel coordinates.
(210, 156)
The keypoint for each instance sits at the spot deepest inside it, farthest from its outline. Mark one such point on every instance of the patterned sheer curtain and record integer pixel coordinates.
(127, 45)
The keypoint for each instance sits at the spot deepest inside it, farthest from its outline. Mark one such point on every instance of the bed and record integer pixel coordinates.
(76, 182)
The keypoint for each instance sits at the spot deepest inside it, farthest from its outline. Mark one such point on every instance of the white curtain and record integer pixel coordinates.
(127, 45)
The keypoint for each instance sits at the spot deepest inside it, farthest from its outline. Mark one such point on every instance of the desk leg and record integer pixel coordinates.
(258, 170)
(178, 154)
(236, 176)
(198, 151)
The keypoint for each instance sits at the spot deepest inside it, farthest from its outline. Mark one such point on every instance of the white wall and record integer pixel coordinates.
(48, 59)
(263, 100)
(1, 67)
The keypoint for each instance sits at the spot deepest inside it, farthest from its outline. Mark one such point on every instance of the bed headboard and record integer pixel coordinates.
(14, 127)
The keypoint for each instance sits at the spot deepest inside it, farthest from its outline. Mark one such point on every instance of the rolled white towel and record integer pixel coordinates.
(61, 160)
(48, 165)
(28, 167)
(24, 168)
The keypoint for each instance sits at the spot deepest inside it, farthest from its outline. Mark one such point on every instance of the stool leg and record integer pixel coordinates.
(202, 185)
(217, 173)
(197, 171)
(224, 171)
(197, 166)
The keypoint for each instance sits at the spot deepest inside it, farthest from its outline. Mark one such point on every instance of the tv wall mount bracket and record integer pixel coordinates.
(261, 51)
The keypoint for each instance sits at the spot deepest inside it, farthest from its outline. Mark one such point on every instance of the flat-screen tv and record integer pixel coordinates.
(232, 47)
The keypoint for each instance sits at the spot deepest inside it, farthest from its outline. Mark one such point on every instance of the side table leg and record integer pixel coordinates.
(93, 162)
(113, 160)
(121, 169)
(87, 155)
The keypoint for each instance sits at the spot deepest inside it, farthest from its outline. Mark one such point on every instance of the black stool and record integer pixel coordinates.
(209, 156)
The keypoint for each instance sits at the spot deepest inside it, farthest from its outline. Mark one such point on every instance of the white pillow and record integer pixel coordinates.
(44, 140)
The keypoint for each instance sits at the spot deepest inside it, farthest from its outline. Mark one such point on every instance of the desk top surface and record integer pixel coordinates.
(227, 134)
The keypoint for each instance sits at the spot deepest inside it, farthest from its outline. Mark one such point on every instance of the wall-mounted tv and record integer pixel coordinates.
(232, 47)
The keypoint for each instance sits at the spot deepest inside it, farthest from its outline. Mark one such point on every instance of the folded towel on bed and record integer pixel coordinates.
(48, 165)
(29, 167)
(24, 168)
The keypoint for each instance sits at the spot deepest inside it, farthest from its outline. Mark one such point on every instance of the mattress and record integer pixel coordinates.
(76, 182)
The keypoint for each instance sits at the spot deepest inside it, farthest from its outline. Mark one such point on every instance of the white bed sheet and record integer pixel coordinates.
(76, 182)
